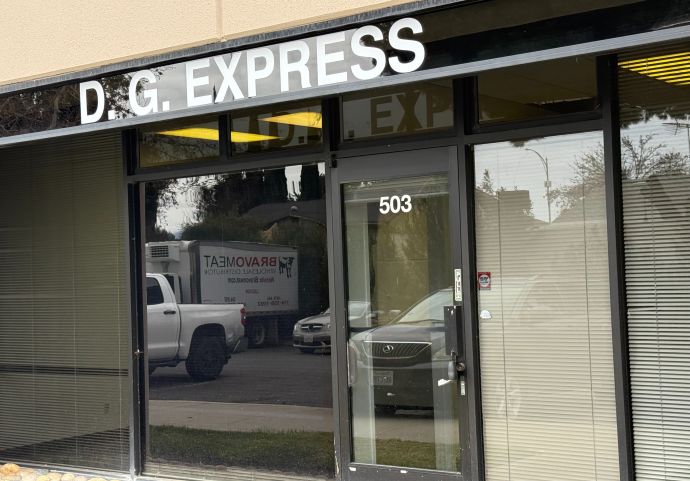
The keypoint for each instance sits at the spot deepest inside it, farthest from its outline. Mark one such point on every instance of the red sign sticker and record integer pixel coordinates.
(484, 280)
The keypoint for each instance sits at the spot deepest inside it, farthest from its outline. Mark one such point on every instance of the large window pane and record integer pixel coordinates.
(544, 322)
(276, 128)
(256, 240)
(655, 145)
(179, 143)
(538, 90)
(404, 110)
(64, 305)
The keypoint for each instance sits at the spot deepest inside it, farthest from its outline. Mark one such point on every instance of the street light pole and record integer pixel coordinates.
(547, 183)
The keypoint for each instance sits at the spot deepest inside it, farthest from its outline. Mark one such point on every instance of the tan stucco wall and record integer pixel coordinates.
(50, 37)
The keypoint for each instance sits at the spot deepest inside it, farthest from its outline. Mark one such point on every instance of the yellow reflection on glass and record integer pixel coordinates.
(303, 119)
(672, 69)
(193, 133)
(249, 137)
(212, 134)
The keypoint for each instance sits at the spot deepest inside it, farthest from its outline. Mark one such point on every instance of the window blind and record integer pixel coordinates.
(64, 306)
(546, 353)
(655, 103)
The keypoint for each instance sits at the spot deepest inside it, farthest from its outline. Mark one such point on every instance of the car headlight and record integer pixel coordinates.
(328, 326)
(295, 328)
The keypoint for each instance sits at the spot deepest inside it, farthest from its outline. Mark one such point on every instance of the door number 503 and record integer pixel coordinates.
(395, 203)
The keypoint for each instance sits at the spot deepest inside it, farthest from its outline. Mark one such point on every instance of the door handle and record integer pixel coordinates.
(169, 312)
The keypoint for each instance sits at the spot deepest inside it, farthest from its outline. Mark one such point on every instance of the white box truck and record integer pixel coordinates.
(263, 277)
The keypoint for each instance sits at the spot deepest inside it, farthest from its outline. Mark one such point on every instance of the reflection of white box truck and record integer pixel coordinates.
(263, 277)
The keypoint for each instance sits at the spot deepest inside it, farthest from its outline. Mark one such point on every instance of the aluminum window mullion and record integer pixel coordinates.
(464, 97)
(607, 73)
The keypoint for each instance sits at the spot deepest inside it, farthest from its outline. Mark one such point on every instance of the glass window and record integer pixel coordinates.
(276, 127)
(64, 307)
(154, 294)
(537, 90)
(179, 143)
(654, 86)
(548, 397)
(256, 241)
(404, 410)
(400, 110)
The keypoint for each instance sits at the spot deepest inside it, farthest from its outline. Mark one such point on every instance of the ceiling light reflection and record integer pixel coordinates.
(673, 69)
(303, 119)
(212, 134)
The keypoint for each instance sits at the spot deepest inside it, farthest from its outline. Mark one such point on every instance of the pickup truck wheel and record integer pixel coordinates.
(257, 335)
(206, 358)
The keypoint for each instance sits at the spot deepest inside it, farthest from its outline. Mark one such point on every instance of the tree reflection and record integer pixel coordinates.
(641, 157)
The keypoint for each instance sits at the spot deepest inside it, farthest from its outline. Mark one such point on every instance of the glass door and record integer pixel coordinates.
(405, 372)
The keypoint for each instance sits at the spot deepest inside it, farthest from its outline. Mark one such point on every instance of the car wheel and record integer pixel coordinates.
(307, 350)
(385, 410)
(257, 334)
(206, 358)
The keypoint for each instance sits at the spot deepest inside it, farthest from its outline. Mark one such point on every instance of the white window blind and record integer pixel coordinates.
(546, 354)
(655, 102)
(64, 304)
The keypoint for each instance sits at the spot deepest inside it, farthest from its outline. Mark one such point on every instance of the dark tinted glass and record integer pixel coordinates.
(276, 127)
(64, 309)
(538, 90)
(154, 295)
(178, 143)
(400, 110)
(254, 240)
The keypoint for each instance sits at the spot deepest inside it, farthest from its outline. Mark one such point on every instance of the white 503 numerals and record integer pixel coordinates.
(395, 203)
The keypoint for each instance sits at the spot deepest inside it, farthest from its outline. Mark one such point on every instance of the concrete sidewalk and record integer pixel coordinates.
(246, 417)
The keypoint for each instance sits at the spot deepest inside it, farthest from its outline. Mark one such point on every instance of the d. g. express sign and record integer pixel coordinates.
(354, 55)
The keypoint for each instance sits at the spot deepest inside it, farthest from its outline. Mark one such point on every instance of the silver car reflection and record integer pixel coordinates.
(314, 332)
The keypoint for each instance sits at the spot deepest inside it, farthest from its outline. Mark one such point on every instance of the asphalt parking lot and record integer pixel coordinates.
(273, 375)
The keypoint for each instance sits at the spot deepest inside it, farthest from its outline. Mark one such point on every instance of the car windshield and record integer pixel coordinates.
(428, 309)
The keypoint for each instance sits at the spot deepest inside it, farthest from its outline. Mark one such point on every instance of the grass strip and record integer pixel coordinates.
(289, 451)
(296, 452)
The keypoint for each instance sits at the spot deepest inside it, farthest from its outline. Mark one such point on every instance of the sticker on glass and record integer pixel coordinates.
(484, 280)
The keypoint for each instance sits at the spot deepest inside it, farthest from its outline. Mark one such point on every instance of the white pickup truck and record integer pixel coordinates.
(202, 335)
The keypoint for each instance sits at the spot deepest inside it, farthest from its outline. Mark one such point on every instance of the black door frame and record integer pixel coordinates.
(377, 166)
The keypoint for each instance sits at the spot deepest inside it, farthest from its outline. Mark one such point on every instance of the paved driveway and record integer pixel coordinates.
(276, 375)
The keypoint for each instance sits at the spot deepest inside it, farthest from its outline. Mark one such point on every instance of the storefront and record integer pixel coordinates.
(447, 240)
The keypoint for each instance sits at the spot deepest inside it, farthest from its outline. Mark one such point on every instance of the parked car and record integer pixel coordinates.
(314, 332)
(203, 336)
(403, 354)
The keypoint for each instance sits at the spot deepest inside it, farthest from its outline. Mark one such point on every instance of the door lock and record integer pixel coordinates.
(457, 365)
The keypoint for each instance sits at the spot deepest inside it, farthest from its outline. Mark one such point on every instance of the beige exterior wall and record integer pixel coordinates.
(51, 37)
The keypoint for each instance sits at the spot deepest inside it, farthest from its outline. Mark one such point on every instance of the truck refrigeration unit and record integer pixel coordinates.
(263, 277)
